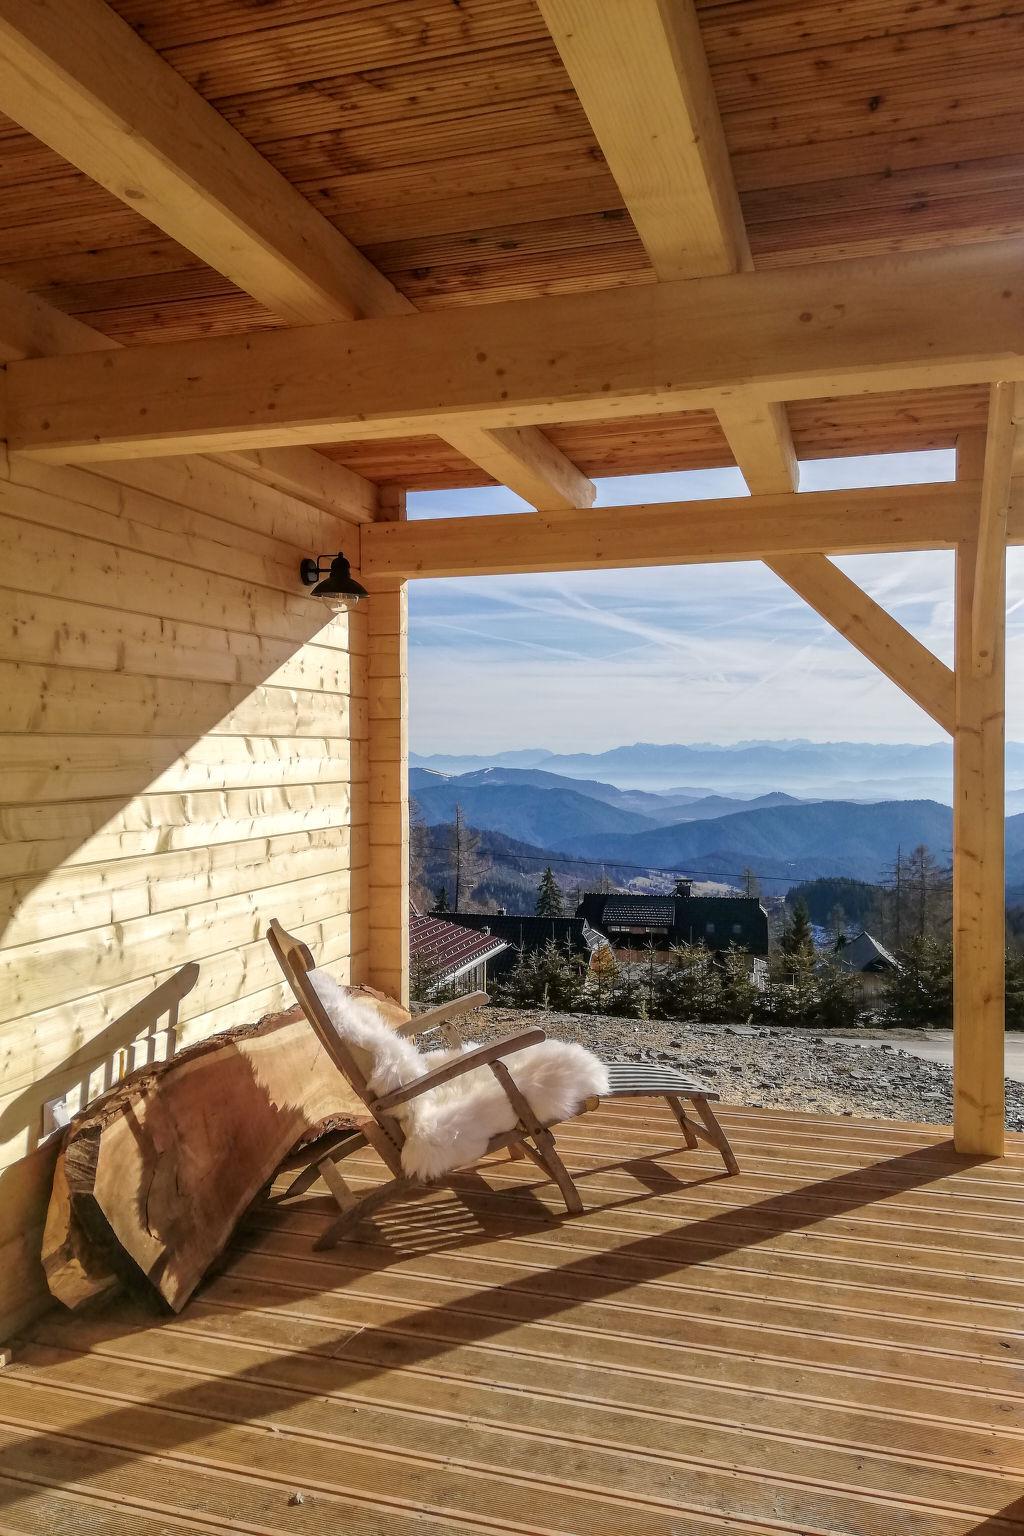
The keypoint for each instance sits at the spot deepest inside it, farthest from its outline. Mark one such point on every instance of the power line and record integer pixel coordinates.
(650, 869)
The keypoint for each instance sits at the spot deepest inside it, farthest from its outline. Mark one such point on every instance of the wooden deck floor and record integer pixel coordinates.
(832, 1342)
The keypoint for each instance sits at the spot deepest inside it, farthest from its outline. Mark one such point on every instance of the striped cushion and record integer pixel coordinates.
(631, 1077)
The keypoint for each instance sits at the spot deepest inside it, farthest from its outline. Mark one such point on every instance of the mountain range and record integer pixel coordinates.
(717, 837)
(814, 770)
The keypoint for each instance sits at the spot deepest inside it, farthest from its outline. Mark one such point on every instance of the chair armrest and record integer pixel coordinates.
(444, 1011)
(480, 1057)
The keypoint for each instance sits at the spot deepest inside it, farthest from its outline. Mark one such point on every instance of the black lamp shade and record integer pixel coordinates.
(339, 589)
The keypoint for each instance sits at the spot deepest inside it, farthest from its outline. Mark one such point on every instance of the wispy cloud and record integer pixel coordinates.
(589, 659)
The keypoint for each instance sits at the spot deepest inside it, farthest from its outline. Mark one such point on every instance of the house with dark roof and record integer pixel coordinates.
(526, 933)
(866, 959)
(455, 957)
(640, 922)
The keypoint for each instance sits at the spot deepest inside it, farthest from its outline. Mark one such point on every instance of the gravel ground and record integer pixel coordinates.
(769, 1068)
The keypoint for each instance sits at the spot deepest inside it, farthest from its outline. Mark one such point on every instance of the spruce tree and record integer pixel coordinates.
(549, 896)
(440, 901)
(797, 939)
(920, 990)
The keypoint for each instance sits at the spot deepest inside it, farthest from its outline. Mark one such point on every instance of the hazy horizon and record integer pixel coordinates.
(674, 655)
(721, 746)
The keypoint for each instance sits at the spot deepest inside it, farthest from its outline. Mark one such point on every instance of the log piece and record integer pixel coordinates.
(155, 1175)
(76, 1270)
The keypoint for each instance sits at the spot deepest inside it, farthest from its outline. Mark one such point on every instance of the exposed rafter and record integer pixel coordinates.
(902, 322)
(29, 327)
(758, 434)
(98, 95)
(679, 533)
(641, 73)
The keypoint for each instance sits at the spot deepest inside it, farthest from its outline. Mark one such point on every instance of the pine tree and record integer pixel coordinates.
(465, 851)
(690, 985)
(549, 896)
(928, 893)
(837, 926)
(419, 847)
(1014, 987)
(898, 890)
(542, 978)
(797, 940)
(739, 991)
(839, 1002)
(422, 979)
(440, 901)
(920, 989)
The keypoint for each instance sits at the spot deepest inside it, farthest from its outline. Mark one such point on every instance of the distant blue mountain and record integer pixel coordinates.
(817, 770)
(548, 817)
(714, 837)
(827, 838)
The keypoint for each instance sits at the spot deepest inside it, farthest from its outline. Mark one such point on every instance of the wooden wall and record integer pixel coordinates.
(185, 755)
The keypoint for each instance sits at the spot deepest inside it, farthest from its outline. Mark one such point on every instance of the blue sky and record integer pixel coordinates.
(588, 660)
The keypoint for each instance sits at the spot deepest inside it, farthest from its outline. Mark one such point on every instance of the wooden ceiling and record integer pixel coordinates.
(445, 139)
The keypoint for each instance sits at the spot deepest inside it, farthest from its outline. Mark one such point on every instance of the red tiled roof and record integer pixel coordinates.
(446, 947)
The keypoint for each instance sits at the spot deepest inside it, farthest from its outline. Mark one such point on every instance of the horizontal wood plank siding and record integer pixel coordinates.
(185, 741)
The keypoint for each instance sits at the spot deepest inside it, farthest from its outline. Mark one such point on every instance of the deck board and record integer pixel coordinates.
(831, 1343)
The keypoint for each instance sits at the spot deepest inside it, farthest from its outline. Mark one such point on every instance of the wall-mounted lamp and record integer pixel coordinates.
(339, 589)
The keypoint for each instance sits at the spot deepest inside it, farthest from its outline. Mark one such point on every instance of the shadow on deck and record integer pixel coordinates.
(830, 1343)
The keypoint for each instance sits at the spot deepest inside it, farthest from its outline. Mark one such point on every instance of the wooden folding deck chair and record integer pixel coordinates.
(529, 1138)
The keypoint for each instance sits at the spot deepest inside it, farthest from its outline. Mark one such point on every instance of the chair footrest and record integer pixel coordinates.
(645, 1081)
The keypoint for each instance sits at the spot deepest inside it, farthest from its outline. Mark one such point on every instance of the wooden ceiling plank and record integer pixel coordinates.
(881, 325)
(678, 533)
(1006, 412)
(640, 70)
(31, 328)
(105, 101)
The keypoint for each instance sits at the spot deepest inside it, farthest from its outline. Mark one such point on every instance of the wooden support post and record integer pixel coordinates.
(978, 851)
(996, 484)
(387, 684)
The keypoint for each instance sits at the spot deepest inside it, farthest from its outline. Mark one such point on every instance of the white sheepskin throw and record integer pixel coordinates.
(450, 1126)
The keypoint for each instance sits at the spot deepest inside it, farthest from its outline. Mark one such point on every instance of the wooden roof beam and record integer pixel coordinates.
(642, 76)
(682, 533)
(919, 320)
(29, 327)
(758, 433)
(105, 101)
